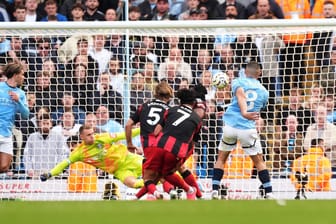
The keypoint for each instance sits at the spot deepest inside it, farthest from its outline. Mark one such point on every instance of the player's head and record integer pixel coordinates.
(14, 72)
(253, 69)
(86, 133)
(72, 142)
(186, 96)
(163, 91)
(200, 107)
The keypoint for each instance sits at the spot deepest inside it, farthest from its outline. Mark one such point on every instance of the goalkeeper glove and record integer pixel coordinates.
(45, 176)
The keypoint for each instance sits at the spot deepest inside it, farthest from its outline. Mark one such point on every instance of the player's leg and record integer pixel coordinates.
(251, 144)
(190, 179)
(6, 153)
(227, 144)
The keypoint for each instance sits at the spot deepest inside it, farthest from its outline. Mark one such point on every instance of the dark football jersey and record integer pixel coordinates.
(149, 115)
(180, 126)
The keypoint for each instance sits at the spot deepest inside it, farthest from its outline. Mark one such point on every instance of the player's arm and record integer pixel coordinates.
(74, 157)
(241, 97)
(121, 135)
(23, 107)
(128, 133)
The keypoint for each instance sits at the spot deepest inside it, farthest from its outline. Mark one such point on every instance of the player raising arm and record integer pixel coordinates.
(105, 152)
(12, 101)
(249, 97)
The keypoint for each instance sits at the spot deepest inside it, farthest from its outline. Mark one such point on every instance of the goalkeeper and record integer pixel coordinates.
(104, 152)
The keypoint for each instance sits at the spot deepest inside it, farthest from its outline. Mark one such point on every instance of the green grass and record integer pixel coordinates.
(172, 212)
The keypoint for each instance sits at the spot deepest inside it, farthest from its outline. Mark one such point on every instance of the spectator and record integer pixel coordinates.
(315, 97)
(134, 13)
(45, 92)
(68, 104)
(147, 8)
(211, 5)
(203, 63)
(99, 53)
(294, 107)
(203, 12)
(77, 12)
(116, 44)
(106, 95)
(221, 12)
(192, 6)
(105, 123)
(67, 127)
(263, 11)
(140, 56)
(81, 86)
(323, 9)
(116, 75)
(325, 130)
(111, 15)
(150, 76)
(51, 10)
(274, 5)
(293, 68)
(15, 54)
(83, 57)
(225, 59)
(161, 11)
(206, 81)
(4, 17)
(44, 148)
(31, 14)
(92, 13)
(138, 94)
(182, 68)
(330, 105)
(328, 75)
(288, 146)
(321, 42)
(68, 5)
(316, 166)
(20, 13)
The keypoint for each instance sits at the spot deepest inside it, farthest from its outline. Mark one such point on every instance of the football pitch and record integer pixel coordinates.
(172, 212)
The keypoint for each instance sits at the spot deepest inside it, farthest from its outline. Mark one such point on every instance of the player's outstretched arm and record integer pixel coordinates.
(122, 136)
(128, 133)
(74, 157)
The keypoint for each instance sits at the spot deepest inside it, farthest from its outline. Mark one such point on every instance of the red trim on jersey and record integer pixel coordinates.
(183, 150)
(170, 144)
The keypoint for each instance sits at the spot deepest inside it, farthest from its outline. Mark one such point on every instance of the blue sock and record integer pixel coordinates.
(216, 179)
(264, 177)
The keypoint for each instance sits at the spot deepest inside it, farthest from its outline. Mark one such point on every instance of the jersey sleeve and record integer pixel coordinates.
(74, 157)
(235, 85)
(136, 116)
(115, 137)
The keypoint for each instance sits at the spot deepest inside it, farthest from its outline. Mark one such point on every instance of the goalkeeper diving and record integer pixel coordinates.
(104, 151)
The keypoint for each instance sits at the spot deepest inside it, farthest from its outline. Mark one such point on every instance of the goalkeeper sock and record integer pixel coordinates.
(264, 177)
(176, 180)
(141, 192)
(167, 187)
(189, 178)
(216, 179)
(138, 183)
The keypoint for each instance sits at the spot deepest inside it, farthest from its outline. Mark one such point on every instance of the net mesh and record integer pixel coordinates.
(78, 72)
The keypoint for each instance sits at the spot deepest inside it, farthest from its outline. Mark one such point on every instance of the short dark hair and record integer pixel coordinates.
(186, 96)
(11, 69)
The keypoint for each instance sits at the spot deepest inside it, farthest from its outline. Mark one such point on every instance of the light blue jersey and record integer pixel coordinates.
(256, 97)
(8, 108)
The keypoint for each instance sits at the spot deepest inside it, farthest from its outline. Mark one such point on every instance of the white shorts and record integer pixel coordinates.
(6, 145)
(249, 140)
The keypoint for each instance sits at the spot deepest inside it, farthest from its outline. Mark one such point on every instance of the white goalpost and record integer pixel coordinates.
(75, 69)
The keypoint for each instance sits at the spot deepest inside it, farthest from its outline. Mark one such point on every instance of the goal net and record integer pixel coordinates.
(98, 73)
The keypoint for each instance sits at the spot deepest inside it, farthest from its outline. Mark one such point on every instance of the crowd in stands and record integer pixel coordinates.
(71, 80)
